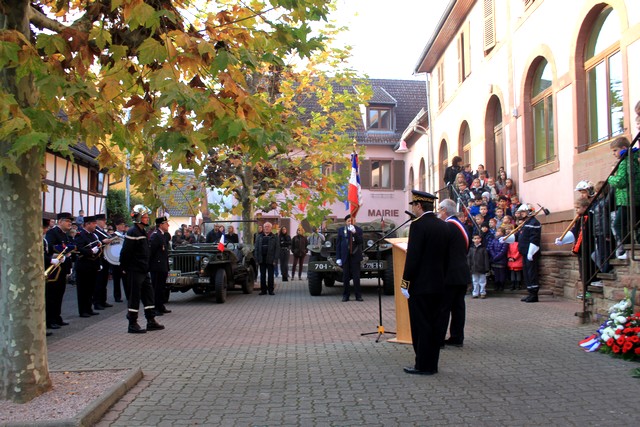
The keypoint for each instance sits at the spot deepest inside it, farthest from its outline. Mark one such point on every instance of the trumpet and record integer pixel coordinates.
(54, 267)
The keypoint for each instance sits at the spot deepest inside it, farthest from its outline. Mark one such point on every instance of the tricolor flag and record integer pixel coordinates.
(355, 191)
(221, 243)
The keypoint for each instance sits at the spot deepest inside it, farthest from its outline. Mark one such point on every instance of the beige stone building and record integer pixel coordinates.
(539, 87)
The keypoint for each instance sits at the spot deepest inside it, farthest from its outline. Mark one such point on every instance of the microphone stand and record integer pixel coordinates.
(380, 329)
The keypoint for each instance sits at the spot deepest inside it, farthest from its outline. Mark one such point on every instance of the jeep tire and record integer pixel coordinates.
(220, 282)
(315, 283)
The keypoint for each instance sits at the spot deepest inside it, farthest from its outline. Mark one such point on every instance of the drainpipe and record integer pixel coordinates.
(430, 136)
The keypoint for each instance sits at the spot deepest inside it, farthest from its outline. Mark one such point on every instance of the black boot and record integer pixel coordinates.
(532, 297)
(152, 325)
(134, 328)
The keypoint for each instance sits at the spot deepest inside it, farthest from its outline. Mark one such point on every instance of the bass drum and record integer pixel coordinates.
(112, 253)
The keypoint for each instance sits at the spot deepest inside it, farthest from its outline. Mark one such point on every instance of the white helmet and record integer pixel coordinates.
(138, 211)
(526, 207)
(585, 185)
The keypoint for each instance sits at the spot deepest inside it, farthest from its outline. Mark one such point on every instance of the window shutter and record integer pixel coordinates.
(365, 174)
(489, 25)
(467, 50)
(398, 174)
(461, 58)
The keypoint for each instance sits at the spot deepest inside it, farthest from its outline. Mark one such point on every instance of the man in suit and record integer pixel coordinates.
(56, 239)
(423, 281)
(457, 278)
(349, 257)
(266, 250)
(159, 262)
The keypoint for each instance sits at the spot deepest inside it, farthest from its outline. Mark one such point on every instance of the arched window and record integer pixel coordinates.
(603, 66)
(422, 183)
(411, 179)
(542, 115)
(465, 143)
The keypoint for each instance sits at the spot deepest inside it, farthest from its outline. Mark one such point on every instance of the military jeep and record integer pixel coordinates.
(322, 265)
(207, 270)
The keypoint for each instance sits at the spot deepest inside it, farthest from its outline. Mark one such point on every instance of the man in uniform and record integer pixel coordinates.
(266, 251)
(423, 281)
(102, 278)
(57, 239)
(159, 262)
(116, 270)
(349, 257)
(134, 260)
(48, 260)
(457, 278)
(87, 265)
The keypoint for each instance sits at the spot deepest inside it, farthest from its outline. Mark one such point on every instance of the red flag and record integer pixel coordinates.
(355, 191)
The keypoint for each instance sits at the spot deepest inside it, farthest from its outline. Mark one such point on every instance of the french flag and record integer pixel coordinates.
(221, 244)
(354, 195)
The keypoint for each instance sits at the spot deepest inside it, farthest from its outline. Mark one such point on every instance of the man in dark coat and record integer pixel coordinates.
(159, 262)
(87, 265)
(349, 257)
(457, 278)
(529, 247)
(423, 281)
(102, 278)
(57, 239)
(134, 260)
(266, 251)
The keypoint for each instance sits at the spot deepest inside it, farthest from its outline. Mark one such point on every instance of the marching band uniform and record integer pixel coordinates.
(529, 247)
(56, 284)
(87, 266)
(102, 277)
(159, 264)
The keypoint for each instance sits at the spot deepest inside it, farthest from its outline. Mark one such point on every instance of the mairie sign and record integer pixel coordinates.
(383, 213)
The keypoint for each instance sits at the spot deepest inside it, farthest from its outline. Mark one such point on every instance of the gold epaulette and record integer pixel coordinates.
(405, 284)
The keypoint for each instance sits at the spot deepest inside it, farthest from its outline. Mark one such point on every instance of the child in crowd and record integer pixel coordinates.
(509, 188)
(493, 226)
(491, 188)
(491, 207)
(468, 175)
(504, 203)
(514, 264)
(501, 181)
(498, 256)
(464, 195)
(499, 217)
(478, 259)
(515, 203)
(507, 222)
(475, 208)
(620, 182)
(476, 188)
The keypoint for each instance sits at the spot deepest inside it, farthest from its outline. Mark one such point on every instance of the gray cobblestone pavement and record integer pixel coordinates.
(296, 360)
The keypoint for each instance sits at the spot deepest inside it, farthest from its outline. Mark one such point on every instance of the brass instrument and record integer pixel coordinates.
(54, 267)
(515, 230)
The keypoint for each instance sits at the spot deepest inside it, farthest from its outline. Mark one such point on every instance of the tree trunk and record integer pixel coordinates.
(24, 371)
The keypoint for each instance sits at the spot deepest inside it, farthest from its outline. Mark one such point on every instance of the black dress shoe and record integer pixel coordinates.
(107, 305)
(93, 313)
(63, 323)
(345, 299)
(453, 343)
(48, 334)
(271, 293)
(53, 326)
(85, 315)
(165, 311)
(98, 307)
(359, 299)
(262, 293)
(414, 371)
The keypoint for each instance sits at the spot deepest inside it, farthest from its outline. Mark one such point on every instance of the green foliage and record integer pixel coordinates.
(117, 205)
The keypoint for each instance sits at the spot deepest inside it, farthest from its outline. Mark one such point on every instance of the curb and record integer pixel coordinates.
(96, 409)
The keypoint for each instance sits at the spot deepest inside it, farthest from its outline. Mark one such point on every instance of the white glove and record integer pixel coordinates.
(55, 261)
(568, 238)
(509, 239)
(95, 250)
(63, 259)
(352, 228)
(405, 292)
(339, 262)
(532, 251)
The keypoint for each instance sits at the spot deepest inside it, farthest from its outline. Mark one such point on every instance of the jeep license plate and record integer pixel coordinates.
(374, 265)
(322, 266)
(203, 280)
(171, 280)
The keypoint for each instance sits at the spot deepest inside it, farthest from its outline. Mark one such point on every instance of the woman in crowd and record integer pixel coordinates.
(231, 236)
(285, 250)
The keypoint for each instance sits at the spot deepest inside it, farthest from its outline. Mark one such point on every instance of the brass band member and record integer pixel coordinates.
(87, 265)
(57, 239)
(102, 278)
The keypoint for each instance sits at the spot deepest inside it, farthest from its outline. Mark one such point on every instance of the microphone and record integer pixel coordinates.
(410, 214)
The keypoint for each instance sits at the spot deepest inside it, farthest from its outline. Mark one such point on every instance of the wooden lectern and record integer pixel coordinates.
(403, 327)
